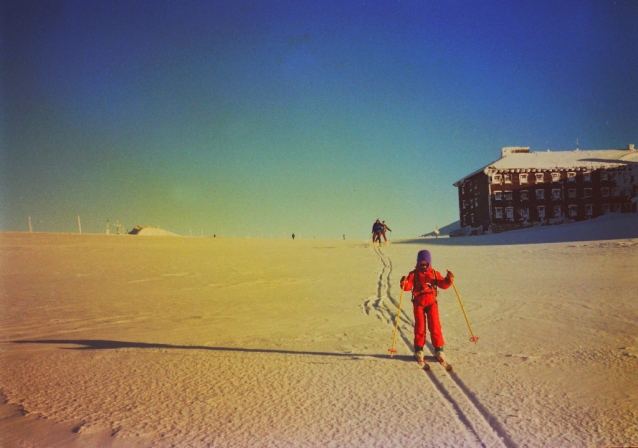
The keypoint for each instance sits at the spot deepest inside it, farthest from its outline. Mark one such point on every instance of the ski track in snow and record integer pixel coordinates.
(481, 426)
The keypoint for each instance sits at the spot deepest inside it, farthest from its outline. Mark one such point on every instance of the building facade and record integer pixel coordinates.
(526, 188)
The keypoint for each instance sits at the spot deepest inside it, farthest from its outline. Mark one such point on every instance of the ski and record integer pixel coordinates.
(419, 359)
(446, 366)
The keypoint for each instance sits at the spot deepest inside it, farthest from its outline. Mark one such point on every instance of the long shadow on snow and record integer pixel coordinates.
(101, 344)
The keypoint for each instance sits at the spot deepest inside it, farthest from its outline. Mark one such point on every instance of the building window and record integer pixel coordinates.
(616, 192)
(587, 176)
(540, 177)
(558, 212)
(604, 175)
(571, 193)
(498, 195)
(523, 213)
(508, 178)
(573, 210)
(498, 212)
(524, 195)
(522, 178)
(508, 195)
(617, 208)
(541, 211)
(627, 192)
(556, 194)
(571, 177)
(614, 175)
(628, 207)
(509, 213)
(555, 177)
(496, 179)
(464, 204)
(540, 194)
(604, 192)
(587, 192)
(475, 202)
(606, 208)
(589, 209)
(472, 217)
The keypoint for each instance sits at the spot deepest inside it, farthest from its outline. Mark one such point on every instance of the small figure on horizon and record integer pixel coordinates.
(384, 228)
(376, 232)
(424, 282)
(293, 236)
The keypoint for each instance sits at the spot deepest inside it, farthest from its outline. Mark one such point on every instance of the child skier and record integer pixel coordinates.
(424, 282)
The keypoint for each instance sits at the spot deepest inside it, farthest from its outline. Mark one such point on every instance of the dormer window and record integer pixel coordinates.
(540, 178)
(571, 177)
(587, 176)
(555, 177)
(522, 178)
(496, 178)
(604, 175)
(508, 178)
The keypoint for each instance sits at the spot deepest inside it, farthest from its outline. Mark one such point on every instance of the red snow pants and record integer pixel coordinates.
(431, 314)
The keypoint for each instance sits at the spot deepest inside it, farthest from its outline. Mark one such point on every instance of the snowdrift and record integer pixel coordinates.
(151, 231)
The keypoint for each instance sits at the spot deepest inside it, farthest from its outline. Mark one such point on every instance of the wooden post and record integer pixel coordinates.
(30, 226)
(79, 225)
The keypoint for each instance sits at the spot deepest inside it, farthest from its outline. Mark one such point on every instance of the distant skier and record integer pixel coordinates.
(293, 236)
(424, 282)
(377, 228)
(384, 228)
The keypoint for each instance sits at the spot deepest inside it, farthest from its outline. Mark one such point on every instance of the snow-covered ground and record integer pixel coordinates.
(122, 341)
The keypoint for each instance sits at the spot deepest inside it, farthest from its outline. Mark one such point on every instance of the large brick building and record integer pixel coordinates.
(525, 188)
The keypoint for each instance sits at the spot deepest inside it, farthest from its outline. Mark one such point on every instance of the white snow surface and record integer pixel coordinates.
(592, 159)
(116, 341)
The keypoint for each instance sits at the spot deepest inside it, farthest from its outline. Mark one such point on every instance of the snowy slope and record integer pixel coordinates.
(232, 342)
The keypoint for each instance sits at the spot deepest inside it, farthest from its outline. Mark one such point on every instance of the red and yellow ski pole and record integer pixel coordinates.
(394, 338)
(473, 338)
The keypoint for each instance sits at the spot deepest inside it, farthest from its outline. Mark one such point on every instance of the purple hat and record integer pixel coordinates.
(424, 255)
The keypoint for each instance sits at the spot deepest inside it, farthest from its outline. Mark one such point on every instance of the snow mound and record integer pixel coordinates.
(151, 231)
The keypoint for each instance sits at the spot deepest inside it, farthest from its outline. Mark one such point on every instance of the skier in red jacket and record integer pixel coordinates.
(424, 282)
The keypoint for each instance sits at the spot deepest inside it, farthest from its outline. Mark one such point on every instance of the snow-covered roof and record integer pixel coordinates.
(560, 160)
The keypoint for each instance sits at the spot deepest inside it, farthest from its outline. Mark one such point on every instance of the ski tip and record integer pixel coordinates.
(426, 366)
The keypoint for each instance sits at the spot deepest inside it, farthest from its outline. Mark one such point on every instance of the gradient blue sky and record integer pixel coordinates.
(265, 118)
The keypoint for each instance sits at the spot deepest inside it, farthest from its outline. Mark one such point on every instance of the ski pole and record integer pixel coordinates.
(394, 337)
(473, 338)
